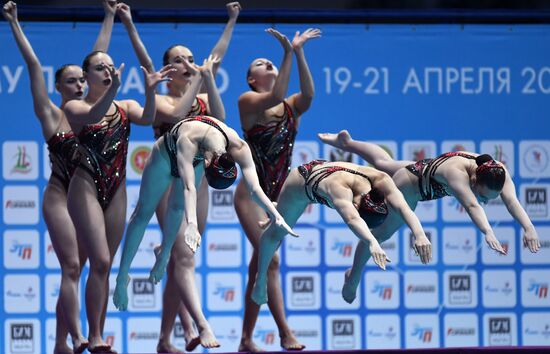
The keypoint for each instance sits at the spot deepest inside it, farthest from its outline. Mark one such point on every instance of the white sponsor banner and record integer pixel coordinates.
(224, 247)
(383, 332)
(461, 330)
(534, 158)
(460, 289)
(536, 328)
(22, 293)
(422, 331)
(333, 292)
(142, 334)
(21, 205)
(303, 251)
(507, 238)
(303, 290)
(227, 330)
(534, 288)
(421, 289)
(22, 336)
(499, 288)
(459, 245)
(20, 160)
(21, 249)
(500, 329)
(308, 330)
(224, 291)
(381, 290)
(343, 332)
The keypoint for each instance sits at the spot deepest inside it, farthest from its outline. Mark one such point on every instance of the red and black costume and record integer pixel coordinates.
(63, 150)
(425, 170)
(198, 109)
(104, 147)
(171, 137)
(271, 147)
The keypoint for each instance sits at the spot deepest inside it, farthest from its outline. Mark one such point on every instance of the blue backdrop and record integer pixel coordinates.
(418, 90)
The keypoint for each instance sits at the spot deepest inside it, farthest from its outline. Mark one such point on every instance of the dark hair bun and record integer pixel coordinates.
(481, 159)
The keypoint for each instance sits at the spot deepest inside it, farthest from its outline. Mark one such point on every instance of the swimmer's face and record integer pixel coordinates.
(261, 72)
(176, 57)
(484, 194)
(97, 74)
(72, 84)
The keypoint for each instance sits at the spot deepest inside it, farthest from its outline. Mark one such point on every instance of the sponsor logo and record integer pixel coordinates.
(139, 157)
(20, 204)
(222, 247)
(22, 338)
(266, 336)
(500, 331)
(303, 291)
(343, 328)
(384, 291)
(421, 289)
(222, 198)
(226, 293)
(535, 200)
(143, 335)
(22, 161)
(389, 334)
(343, 334)
(304, 333)
(460, 289)
(29, 294)
(540, 290)
(535, 159)
(464, 331)
(21, 250)
(343, 248)
(506, 289)
(309, 247)
(143, 293)
(424, 334)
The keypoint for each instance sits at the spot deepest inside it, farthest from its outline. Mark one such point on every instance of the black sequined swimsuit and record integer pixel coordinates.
(425, 170)
(104, 148)
(198, 109)
(313, 178)
(63, 150)
(271, 147)
(171, 137)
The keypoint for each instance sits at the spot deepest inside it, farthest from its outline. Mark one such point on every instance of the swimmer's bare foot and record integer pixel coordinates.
(248, 345)
(290, 342)
(80, 345)
(97, 345)
(191, 343)
(62, 348)
(349, 289)
(208, 339)
(340, 140)
(167, 347)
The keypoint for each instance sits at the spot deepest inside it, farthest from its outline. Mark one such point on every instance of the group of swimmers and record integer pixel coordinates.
(84, 202)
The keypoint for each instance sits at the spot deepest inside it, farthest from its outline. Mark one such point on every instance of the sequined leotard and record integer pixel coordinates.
(171, 137)
(313, 178)
(425, 170)
(104, 147)
(271, 147)
(198, 109)
(63, 150)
